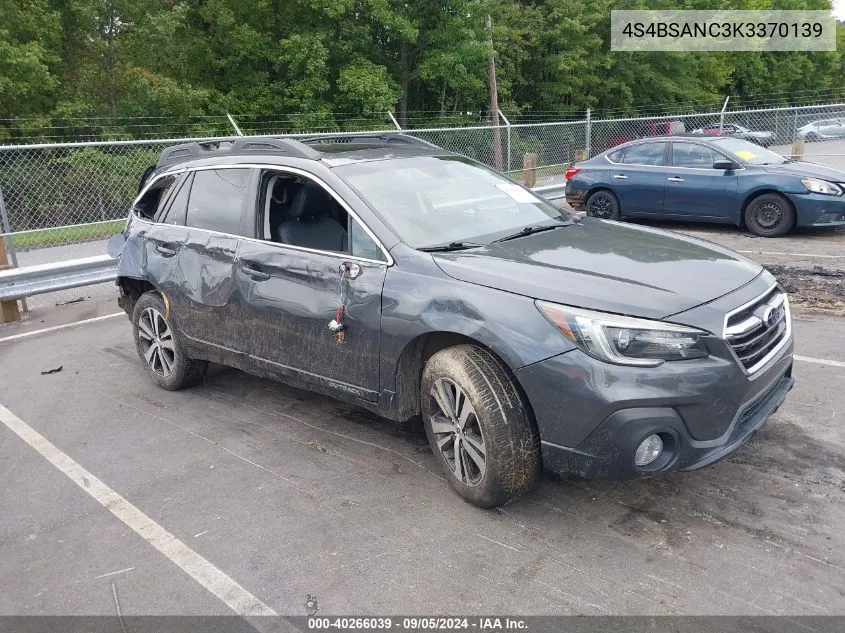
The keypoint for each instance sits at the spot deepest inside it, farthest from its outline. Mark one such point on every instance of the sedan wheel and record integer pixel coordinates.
(603, 205)
(478, 425)
(159, 347)
(770, 215)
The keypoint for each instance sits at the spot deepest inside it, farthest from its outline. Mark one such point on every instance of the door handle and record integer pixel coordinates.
(620, 176)
(257, 275)
(349, 270)
(675, 179)
(165, 250)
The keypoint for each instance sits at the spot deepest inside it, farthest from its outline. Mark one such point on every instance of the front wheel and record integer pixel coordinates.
(479, 427)
(770, 215)
(159, 346)
(603, 205)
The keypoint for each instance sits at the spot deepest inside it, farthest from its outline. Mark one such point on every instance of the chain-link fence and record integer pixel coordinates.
(63, 201)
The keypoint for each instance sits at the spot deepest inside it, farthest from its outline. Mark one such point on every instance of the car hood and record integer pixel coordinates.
(803, 169)
(608, 266)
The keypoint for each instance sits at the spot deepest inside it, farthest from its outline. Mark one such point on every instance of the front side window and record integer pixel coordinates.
(216, 199)
(298, 211)
(694, 156)
(645, 154)
(438, 200)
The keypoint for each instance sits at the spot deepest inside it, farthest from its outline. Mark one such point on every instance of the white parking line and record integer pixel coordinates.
(55, 328)
(227, 589)
(790, 254)
(820, 361)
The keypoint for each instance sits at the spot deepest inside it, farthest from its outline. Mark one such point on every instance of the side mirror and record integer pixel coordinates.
(726, 165)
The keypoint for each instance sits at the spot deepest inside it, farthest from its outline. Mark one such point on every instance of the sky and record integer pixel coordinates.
(839, 9)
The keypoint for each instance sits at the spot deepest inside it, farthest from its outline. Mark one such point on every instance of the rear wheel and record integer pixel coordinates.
(478, 426)
(770, 215)
(603, 205)
(160, 347)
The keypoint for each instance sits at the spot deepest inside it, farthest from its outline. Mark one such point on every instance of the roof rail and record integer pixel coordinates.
(383, 138)
(238, 147)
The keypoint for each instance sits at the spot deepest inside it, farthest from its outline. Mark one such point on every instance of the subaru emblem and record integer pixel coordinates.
(770, 316)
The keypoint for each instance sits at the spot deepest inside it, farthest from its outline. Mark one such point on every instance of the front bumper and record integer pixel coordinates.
(815, 209)
(592, 416)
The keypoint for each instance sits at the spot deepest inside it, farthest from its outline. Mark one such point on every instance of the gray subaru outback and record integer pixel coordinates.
(414, 282)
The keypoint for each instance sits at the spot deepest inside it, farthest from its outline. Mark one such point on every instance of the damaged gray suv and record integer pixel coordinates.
(400, 277)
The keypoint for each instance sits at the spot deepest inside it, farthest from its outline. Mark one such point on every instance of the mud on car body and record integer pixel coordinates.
(411, 281)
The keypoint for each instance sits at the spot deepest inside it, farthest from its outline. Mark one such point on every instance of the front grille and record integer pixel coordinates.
(756, 330)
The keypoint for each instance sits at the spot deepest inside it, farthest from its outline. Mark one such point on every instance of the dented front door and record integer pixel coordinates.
(290, 297)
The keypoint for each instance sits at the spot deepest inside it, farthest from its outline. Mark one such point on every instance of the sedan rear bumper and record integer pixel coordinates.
(575, 199)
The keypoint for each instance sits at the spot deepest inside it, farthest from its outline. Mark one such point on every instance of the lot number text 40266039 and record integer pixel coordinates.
(481, 624)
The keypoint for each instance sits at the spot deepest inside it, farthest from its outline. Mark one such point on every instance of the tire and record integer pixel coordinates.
(160, 347)
(812, 137)
(770, 215)
(497, 427)
(603, 204)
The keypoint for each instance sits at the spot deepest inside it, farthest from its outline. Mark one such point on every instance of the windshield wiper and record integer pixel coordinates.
(530, 230)
(452, 246)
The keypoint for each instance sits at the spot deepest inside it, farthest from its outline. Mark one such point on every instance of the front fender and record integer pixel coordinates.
(508, 324)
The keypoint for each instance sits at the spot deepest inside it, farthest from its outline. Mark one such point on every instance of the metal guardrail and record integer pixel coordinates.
(553, 192)
(19, 283)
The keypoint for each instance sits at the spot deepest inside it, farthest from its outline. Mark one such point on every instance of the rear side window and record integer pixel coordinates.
(216, 200)
(178, 210)
(645, 154)
(616, 156)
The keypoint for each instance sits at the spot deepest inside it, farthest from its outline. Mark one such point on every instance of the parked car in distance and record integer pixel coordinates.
(763, 138)
(414, 282)
(642, 129)
(699, 178)
(822, 130)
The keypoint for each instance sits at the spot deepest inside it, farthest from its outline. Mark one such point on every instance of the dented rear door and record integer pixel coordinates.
(207, 305)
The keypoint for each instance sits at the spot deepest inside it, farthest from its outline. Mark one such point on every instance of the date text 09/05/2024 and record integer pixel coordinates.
(417, 623)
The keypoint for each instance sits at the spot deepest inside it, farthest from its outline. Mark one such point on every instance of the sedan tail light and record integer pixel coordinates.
(571, 172)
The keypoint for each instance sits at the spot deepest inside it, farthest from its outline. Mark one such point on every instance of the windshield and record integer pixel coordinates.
(436, 200)
(748, 152)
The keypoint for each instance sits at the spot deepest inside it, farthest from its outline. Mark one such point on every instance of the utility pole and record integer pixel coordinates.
(494, 96)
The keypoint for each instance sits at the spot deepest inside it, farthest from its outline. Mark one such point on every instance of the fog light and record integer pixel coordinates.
(648, 450)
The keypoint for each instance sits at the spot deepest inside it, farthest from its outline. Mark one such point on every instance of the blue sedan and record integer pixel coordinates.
(706, 179)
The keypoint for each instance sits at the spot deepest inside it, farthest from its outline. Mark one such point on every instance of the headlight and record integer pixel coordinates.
(624, 340)
(822, 186)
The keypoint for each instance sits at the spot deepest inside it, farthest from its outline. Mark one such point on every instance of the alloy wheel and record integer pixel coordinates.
(157, 342)
(601, 207)
(457, 432)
